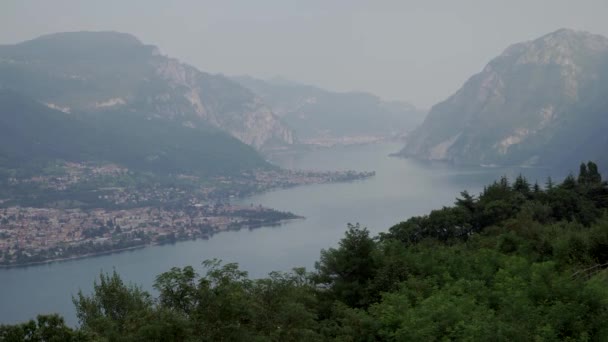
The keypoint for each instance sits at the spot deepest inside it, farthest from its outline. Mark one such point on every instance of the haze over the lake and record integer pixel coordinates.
(417, 51)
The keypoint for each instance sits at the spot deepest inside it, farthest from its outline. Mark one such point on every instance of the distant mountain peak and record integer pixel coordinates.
(558, 47)
(107, 37)
(523, 104)
(569, 34)
(323, 117)
(112, 71)
(568, 38)
(79, 46)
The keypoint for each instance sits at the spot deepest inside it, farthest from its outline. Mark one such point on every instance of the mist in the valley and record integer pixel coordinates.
(415, 51)
(313, 170)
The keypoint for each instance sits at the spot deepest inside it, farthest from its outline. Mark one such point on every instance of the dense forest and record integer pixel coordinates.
(39, 136)
(518, 262)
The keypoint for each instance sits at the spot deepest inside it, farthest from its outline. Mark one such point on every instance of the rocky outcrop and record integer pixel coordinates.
(324, 117)
(109, 71)
(523, 107)
(245, 117)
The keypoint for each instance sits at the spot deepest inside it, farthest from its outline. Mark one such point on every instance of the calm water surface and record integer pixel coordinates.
(400, 189)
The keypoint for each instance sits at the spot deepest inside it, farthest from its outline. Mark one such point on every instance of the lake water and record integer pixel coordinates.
(401, 188)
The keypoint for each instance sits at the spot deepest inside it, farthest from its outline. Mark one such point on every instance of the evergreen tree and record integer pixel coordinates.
(467, 201)
(583, 175)
(348, 269)
(504, 183)
(549, 184)
(594, 177)
(521, 185)
(569, 182)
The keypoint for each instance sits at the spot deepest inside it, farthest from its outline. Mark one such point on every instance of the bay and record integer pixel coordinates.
(400, 189)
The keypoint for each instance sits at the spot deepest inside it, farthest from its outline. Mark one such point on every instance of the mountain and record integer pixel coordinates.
(541, 102)
(101, 72)
(317, 114)
(32, 136)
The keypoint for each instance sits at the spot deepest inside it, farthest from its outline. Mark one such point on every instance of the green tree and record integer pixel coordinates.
(46, 328)
(521, 185)
(549, 184)
(536, 188)
(569, 183)
(594, 176)
(348, 269)
(178, 289)
(467, 201)
(226, 305)
(114, 310)
(583, 175)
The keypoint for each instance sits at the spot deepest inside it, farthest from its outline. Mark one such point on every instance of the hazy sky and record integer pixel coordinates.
(418, 51)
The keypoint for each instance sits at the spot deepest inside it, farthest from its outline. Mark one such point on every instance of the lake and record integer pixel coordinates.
(400, 189)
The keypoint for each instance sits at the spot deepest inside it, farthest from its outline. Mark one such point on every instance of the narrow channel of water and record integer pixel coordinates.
(401, 188)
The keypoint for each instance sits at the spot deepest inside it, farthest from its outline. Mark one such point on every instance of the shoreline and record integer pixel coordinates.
(76, 257)
(142, 246)
(341, 177)
(453, 163)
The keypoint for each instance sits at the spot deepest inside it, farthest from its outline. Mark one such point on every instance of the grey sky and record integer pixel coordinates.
(418, 51)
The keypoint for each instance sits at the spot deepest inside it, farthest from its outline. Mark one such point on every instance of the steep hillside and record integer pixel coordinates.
(99, 72)
(317, 114)
(541, 102)
(33, 135)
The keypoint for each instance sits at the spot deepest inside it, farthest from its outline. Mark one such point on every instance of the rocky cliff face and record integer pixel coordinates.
(322, 116)
(524, 107)
(222, 103)
(108, 71)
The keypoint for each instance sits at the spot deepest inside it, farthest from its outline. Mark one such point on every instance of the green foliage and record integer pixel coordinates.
(39, 135)
(512, 264)
(116, 311)
(46, 328)
(348, 269)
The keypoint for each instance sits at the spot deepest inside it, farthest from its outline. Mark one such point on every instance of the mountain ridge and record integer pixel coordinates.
(32, 136)
(523, 103)
(319, 115)
(103, 71)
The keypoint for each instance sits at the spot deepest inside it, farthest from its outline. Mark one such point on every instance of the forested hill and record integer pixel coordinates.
(518, 262)
(33, 136)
